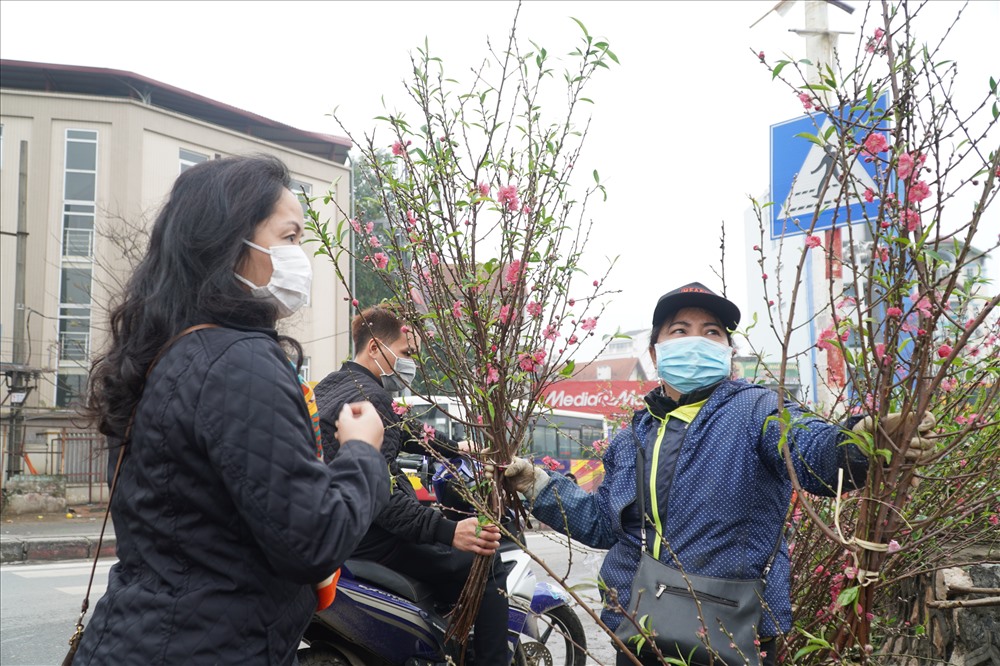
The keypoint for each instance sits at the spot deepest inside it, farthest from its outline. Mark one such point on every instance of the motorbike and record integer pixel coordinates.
(383, 618)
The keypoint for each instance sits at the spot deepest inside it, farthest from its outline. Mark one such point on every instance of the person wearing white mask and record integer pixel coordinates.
(715, 485)
(227, 519)
(406, 536)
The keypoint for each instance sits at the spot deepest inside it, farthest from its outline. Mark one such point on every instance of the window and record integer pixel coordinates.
(297, 187)
(71, 387)
(76, 268)
(189, 158)
(603, 372)
(304, 371)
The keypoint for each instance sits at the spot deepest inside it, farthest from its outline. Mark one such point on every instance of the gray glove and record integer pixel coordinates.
(920, 449)
(526, 478)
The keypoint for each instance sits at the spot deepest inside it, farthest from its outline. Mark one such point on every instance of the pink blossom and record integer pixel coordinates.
(824, 339)
(484, 189)
(875, 143)
(588, 324)
(572, 340)
(847, 302)
(596, 283)
(492, 376)
(944, 351)
(551, 463)
(525, 362)
(456, 309)
(883, 254)
(893, 546)
(400, 409)
(869, 195)
(507, 196)
(894, 312)
(879, 351)
(369, 227)
(763, 276)
(429, 433)
(761, 56)
(919, 191)
(922, 304)
(806, 100)
(397, 149)
(904, 166)
(513, 272)
(994, 520)
(434, 259)
(948, 385)
(354, 302)
(411, 218)
(550, 332)
(879, 34)
(526, 209)
(356, 226)
(380, 259)
(571, 302)
(756, 248)
(812, 241)
(374, 241)
(534, 308)
(539, 356)
(504, 314)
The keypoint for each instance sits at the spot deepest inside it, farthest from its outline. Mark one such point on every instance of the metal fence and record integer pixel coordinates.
(83, 458)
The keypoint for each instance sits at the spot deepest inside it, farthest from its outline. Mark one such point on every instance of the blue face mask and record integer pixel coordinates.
(692, 362)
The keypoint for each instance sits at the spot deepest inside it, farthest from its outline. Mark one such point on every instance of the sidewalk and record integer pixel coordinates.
(52, 536)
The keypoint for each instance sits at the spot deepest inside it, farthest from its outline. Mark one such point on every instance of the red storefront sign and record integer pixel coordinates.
(597, 397)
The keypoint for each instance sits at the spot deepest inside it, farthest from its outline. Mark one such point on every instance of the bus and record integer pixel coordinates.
(564, 441)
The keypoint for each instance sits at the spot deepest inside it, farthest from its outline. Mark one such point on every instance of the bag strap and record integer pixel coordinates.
(640, 489)
(118, 465)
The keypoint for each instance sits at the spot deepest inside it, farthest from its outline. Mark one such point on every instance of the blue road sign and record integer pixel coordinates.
(800, 169)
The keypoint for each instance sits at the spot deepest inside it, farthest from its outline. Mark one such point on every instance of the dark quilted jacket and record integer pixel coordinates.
(224, 515)
(404, 518)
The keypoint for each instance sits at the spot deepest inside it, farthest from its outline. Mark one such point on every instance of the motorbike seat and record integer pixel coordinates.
(392, 581)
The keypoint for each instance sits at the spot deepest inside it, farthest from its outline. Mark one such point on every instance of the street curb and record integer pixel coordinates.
(15, 550)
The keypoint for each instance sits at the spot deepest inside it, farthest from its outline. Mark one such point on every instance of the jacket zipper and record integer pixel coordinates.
(684, 592)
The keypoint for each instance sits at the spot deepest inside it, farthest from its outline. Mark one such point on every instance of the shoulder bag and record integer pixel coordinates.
(702, 619)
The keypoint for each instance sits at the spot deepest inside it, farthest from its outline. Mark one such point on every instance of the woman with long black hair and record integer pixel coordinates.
(225, 516)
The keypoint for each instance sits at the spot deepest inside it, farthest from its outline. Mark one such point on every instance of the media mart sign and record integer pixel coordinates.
(597, 397)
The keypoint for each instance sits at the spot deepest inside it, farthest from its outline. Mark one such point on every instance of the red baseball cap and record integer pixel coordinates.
(696, 295)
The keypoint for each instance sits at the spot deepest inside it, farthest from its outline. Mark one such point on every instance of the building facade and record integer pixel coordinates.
(87, 156)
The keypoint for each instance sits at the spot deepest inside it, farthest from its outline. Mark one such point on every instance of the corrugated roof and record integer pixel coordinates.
(102, 82)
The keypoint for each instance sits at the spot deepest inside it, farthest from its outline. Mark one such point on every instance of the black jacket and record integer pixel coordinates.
(404, 518)
(225, 517)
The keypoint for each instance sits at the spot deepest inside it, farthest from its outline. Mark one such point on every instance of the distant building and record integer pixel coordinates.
(100, 149)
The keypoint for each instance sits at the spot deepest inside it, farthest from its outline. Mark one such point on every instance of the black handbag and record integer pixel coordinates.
(701, 619)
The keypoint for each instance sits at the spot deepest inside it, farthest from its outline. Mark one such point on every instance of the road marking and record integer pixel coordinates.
(83, 569)
(80, 590)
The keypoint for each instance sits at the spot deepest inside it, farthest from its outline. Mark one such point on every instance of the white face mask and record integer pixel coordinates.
(291, 278)
(404, 371)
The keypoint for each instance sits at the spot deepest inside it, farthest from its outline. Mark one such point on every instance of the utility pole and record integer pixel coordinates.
(824, 269)
(19, 374)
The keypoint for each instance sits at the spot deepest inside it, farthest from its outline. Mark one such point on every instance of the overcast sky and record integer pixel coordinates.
(679, 133)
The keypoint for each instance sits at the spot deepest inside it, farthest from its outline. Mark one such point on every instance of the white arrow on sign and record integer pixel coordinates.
(820, 160)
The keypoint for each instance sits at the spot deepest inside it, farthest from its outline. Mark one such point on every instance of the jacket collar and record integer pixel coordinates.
(660, 404)
(353, 367)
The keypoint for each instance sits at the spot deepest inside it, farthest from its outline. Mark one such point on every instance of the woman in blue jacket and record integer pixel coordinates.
(717, 488)
(225, 515)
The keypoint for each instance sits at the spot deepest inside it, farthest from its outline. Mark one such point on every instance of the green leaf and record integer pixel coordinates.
(777, 69)
(848, 596)
(567, 370)
(597, 179)
(811, 138)
(582, 26)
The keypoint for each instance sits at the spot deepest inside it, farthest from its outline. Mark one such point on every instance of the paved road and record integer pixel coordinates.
(39, 604)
